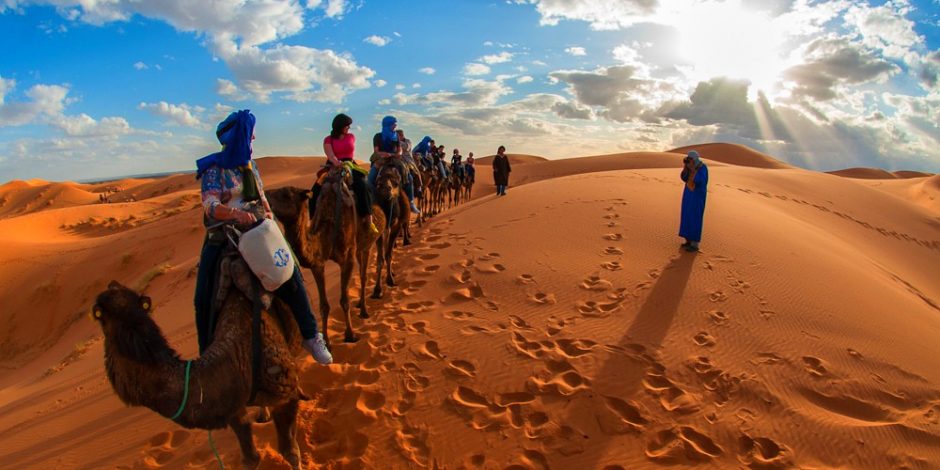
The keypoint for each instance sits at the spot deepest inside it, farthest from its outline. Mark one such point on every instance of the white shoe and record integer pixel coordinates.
(415, 209)
(317, 348)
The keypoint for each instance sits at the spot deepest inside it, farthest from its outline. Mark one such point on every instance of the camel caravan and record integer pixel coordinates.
(253, 314)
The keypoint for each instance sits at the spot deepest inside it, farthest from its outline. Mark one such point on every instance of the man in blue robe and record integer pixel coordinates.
(695, 176)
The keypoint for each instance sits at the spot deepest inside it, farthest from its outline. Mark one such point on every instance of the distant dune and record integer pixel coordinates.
(877, 173)
(558, 327)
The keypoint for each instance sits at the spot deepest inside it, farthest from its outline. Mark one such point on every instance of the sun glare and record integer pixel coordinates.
(727, 40)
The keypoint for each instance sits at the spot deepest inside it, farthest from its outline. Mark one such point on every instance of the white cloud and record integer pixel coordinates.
(427, 70)
(399, 86)
(45, 103)
(601, 14)
(385, 102)
(497, 58)
(886, 28)
(576, 51)
(140, 66)
(416, 85)
(524, 79)
(396, 34)
(178, 114)
(229, 89)
(474, 68)
(236, 31)
(84, 125)
(6, 85)
(380, 41)
(380, 83)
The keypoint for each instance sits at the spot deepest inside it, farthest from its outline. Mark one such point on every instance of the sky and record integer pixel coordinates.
(105, 88)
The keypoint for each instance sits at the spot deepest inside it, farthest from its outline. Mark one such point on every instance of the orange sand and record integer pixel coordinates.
(557, 327)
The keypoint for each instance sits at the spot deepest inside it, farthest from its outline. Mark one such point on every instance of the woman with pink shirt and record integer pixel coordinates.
(339, 147)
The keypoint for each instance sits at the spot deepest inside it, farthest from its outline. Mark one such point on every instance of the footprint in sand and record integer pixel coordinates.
(461, 369)
(467, 293)
(488, 257)
(369, 403)
(559, 379)
(541, 298)
(412, 443)
(682, 445)
(427, 270)
(613, 250)
(518, 322)
(477, 329)
(704, 339)
(718, 317)
(763, 452)
(815, 366)
(418, 327)
(671, 397)
(595, 283)
(614, 237)
(458, 315)
(612, 266)
(717, 296)
(525, 279)
(575, 347)
(490, 269)
(440, 246)
(430, 350)
(460, 278)
(621, 416)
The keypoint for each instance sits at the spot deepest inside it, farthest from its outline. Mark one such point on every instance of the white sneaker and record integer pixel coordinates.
(415, 209)
(317, 348)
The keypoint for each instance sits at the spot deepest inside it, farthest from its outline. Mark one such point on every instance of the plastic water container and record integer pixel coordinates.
(267, 254)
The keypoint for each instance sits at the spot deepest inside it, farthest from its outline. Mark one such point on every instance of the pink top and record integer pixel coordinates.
(343, 147)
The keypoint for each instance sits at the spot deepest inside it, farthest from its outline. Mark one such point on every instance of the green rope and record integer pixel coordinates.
(185, 392)
(212, 445)
(183, 405)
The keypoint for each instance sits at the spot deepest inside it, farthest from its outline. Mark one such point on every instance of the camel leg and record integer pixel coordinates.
(389, 278)
(363, 267)
(264, 415)
(345, 274)
(285, 420)
(379, 264)
(324, 303)
(241, 424)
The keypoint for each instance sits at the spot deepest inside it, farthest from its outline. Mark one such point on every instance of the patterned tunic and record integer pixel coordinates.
(225, 186)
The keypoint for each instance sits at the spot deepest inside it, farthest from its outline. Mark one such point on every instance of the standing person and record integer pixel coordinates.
(501, 170)
(232, 192)
(339, 147)
(695, 175)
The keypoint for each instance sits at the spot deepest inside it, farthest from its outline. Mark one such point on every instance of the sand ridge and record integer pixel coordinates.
(557, 327)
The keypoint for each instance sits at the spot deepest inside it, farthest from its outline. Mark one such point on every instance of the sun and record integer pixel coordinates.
(728, 40)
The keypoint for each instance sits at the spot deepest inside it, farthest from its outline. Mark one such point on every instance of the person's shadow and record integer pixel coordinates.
(622, 374)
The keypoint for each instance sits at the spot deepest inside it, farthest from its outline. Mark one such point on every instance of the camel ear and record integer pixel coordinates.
(114, 285)
(145, 303)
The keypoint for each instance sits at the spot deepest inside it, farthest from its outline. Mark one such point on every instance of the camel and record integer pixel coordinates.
(467, 187)
(336, 233)
(394, 203)
(145, 371)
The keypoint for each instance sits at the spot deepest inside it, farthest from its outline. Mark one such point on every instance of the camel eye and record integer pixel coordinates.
(145, 303)
(96, 312)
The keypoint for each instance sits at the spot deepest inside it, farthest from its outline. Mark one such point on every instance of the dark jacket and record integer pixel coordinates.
(501, 170)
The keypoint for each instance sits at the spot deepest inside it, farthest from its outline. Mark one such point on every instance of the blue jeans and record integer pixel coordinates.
(292, 292)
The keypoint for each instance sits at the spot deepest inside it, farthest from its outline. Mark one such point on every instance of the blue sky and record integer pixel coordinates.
(97, 88)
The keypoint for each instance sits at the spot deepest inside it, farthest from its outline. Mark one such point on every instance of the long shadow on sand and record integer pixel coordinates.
(622, 375)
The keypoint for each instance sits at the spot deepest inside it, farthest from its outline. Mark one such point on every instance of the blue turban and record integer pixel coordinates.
(234, 133)
(388, 134)
(424, 146)
(696, 158)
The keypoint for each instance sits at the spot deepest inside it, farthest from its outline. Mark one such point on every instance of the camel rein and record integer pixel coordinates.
(179, 412)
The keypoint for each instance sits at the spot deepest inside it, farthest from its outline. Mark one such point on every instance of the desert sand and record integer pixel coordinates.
(558, 327)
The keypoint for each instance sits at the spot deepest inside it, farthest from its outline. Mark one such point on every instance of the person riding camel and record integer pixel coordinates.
(456, 163)
(471, 170)
(339, 148)
(414, 176)
(232, 192)
(387, 149)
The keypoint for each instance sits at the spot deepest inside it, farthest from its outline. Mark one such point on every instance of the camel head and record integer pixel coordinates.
(388, 182)
(289, 204)
(124, 316)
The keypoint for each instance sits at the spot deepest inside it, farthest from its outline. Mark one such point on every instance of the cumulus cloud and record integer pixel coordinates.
(497, 58)
(45, 102)
(524, 79)
(238, 36)
(831, 62)
(178, 114)
(930, 70)
(84, 125)
(380, 83)
(885, 28)
(601, 14)
(576, 51)
(380, 41)
(475, 68)
(140, 66)
(229, 89)
(622, 94)
(476, 93)
(427, 70)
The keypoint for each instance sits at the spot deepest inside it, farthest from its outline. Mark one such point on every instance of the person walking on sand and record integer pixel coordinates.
(501, 170)
(695, 176)
(232, 192)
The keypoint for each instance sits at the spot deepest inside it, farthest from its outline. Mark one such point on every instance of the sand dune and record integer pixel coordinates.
(877, 173)
(734, 154)
(557, 327)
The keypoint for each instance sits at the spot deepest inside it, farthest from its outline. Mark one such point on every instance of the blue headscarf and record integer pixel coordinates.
(388, 134)
(696, 158)
(234, 134)
(424, 146)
